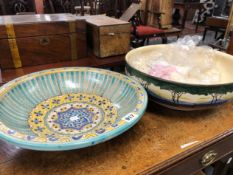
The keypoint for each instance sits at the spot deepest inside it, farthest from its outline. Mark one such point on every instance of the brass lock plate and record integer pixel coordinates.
(209, 158)
(44, 41)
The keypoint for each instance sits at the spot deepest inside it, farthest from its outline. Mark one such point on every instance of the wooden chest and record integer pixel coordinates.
(107, 36)
(27, 40)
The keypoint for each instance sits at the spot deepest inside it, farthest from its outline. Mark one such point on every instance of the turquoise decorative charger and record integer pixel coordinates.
(69, 108)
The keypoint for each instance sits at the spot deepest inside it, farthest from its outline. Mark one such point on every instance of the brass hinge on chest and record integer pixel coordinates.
(73, 40)
(13, 46)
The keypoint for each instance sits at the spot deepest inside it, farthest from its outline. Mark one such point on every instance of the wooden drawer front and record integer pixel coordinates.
(5, 55)
(194, 162)
(42, 50)
(115, 44)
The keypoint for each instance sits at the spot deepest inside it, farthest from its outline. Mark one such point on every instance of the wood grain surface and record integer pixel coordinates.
(163, 139)
(40, 25)
(107, 36)
(90, 61)
(41, 39)
(102, 20)
(163, 6)
(160, 139)
(38, 18)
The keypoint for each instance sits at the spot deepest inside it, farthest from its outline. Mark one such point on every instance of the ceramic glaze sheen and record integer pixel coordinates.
(69, 108)
(183, 96)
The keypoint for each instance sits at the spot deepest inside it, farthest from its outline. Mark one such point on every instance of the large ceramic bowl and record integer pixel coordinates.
(69, 108)
(183, 96)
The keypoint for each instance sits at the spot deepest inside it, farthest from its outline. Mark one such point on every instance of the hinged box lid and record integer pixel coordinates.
(107, 36)
(40, 25)
(107, 24)
(102, 20)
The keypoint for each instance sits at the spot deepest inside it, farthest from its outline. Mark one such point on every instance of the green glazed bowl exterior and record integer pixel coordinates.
(180, 96)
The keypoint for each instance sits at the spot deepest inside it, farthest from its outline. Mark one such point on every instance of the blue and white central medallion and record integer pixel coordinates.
(74, 118)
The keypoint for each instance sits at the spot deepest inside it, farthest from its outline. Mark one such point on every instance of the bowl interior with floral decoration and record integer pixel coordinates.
(201, 80)
(69, 108)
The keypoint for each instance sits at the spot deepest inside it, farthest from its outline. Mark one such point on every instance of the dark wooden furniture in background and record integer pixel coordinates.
(170, 32)
(84, 8)
(164, 141)
(119, 6)
(88, 7)
(216, 24)
(109, 7)
(2, 8)
(163, 6)
(185, 6)
(141, 31)
(219, 7)
(38, 39)
(160, 12)
(60, 6)
(11, 7)
(225, 44)
(230, 46)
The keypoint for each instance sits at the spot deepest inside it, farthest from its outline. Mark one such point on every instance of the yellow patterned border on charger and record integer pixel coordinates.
(64, 100)
(25, 78)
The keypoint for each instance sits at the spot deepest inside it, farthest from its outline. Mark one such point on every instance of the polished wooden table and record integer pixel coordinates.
(163, 142)
(91, 61)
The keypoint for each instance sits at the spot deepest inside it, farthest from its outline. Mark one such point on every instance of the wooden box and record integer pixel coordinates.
(27, 40)
(107, 36)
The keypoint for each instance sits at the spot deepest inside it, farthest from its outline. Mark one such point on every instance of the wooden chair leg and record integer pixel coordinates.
(220, 37)
(216, 35)
(198, 18)
(204, 34)
(147, 41)
(164, 40)
(143, 42)
(51, 6)
(137, 42)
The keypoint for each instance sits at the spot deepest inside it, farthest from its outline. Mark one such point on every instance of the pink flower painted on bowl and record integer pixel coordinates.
(162, 71)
